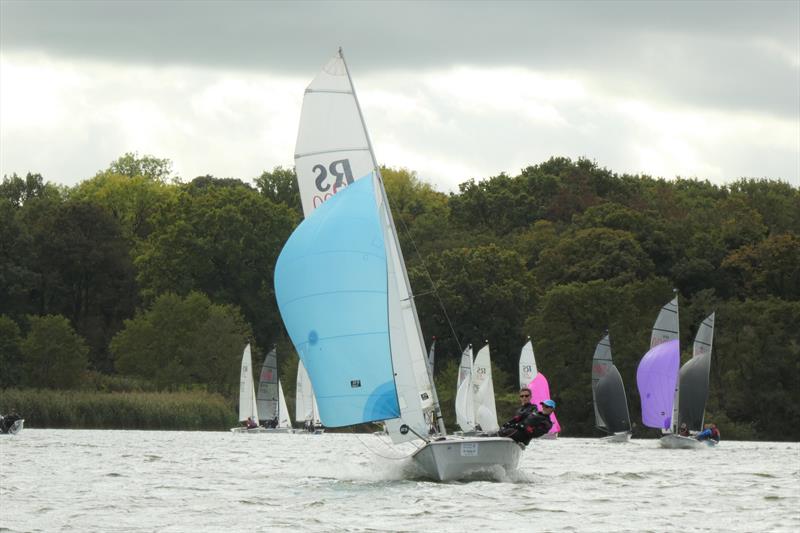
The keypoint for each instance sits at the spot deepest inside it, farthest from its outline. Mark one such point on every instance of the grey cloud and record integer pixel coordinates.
(697, 53)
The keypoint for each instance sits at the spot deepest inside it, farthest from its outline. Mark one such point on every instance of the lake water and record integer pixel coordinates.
(113, 481)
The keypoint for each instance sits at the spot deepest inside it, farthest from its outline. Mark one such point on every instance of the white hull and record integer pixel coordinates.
(15, 428)
(622, 436)
(454, 458)
(676, 442)
(549, 436)
(262, 430)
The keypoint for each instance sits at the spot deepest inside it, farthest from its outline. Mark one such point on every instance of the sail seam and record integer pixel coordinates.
(358, 149)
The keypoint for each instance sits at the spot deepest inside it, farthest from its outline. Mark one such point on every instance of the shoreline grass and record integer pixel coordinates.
(193, 410)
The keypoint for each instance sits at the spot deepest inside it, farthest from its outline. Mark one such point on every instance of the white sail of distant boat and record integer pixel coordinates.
(465, 406)
(305, 409)
(483, 391)
(540, 389)
(344, 294)
(608, 394)
(527, 364)
(247, 393)
(284, 420)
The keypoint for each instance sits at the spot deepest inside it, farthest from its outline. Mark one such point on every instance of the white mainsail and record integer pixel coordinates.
(465, 406)
(483, 391)
(333, 150)
(527, 364)
(284, 420)
(305, 408)
(247, 392)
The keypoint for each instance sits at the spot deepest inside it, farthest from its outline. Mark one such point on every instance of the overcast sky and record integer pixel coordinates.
(451, 90)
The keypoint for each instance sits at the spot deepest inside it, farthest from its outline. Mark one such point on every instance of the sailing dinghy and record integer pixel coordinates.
(345, 298)
(10, 425)
(660, 379)
(270, 401)
(608, 393)
(248, 409)
(305, 407)
(693, 385)
(540, 389)
(465, 406)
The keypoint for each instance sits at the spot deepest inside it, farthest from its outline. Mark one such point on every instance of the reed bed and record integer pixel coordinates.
(192, 410)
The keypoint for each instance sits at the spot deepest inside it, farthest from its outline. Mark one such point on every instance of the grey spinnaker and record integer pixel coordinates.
(612, 404)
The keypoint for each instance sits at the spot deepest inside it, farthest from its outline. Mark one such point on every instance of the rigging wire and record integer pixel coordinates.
(375, 452)
(433, 290)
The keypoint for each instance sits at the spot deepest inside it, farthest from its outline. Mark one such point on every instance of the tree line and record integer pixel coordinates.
(136, 278)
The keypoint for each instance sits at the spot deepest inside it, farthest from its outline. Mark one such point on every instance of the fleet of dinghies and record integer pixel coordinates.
(345, 299)
(476, 412)
(269, 401)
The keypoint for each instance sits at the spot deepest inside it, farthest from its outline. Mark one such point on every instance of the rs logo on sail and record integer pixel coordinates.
(339, 169)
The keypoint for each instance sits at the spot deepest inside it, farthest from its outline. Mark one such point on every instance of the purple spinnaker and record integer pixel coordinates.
(540, 391)
(656, 377)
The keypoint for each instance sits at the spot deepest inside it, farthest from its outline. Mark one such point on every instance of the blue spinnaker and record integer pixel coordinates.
(331, 288)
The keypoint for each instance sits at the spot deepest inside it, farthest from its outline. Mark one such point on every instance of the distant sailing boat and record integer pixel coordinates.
(248, 409)
(305, 408)
(270, 401)
(465, 405)
(540, 390)
(660, 378)
(527, 365)
(483, 391)
(694, 378)
(344, 295)
(608, 392)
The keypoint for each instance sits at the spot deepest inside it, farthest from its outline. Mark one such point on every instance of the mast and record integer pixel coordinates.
(385, 200)
(675, 410)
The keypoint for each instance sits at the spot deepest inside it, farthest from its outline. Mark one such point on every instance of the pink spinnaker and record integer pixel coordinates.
(540, 391)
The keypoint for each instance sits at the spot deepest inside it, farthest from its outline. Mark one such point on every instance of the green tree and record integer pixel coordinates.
(183, 341)
(54, 356)
(222, 241)
(487, 293)
(280, 186)
(595, 253)
(83, 271)
(131, 200)
(133, 165)
(10, 353)
(770, 267)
